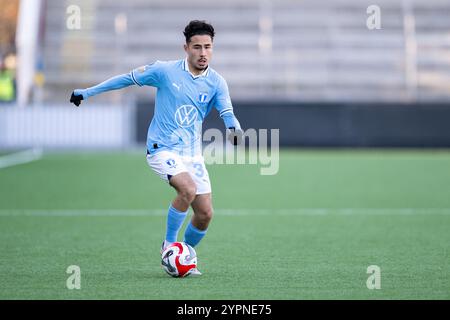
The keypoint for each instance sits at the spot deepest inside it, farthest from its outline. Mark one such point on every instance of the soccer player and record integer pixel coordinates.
(187, 90)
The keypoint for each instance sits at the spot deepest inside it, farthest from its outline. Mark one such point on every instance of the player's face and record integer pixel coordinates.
(199, 52)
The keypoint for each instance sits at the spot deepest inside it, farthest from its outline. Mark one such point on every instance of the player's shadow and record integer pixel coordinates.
(163, 275)
(156, 274)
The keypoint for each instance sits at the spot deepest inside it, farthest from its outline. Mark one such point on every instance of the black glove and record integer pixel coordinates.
(234, 136)
(76, 99)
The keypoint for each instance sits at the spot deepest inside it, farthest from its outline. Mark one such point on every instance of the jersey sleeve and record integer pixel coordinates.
(114, 83)
(148, 75)
(222, 102)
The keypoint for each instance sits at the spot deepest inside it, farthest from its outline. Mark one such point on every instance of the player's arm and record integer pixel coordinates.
(222, 103)
(234, 131)
(114, 83)
(146, 75)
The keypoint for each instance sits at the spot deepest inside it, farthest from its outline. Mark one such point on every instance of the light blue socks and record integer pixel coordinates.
(175, 220)
(192, 235)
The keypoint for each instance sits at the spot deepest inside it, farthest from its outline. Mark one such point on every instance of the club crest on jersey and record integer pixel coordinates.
(171, 163)
(202, 97)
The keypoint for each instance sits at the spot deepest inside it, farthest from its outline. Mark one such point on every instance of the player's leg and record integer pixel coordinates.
(202, 204)
(172, 170)
(186, 190)
(203, 212)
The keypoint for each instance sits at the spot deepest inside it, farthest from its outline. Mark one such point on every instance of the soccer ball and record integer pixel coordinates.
(179, 259)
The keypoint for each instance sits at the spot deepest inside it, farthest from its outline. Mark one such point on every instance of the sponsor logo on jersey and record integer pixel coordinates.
(186, 115)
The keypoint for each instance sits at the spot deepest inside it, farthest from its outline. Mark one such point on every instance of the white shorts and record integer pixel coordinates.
(167, 164)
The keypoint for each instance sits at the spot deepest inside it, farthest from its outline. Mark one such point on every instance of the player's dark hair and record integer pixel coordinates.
(198, 27)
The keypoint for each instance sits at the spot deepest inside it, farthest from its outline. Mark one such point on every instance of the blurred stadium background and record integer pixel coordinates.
(313, 69)
(349, 84)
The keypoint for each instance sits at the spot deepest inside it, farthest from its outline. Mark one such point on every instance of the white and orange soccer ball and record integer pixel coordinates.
(179, 259)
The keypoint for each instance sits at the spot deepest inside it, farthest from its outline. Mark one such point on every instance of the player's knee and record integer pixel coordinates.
(205, 214)
(209, 214)
(188, 193)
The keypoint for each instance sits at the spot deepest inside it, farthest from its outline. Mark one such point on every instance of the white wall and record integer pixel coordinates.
(66, 127)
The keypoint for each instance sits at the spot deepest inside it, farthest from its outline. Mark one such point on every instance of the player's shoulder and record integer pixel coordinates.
(216, 76)
(171, 63)
(164, 65)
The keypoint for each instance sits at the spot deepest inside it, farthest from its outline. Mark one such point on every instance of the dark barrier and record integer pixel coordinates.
(336, 125)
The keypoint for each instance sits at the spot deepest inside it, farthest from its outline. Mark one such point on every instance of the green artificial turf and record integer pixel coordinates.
(309, 232)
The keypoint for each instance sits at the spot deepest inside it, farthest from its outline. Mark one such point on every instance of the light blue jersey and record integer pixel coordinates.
(182, 103)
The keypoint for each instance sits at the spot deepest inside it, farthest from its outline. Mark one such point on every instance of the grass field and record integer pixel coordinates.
(309, 232)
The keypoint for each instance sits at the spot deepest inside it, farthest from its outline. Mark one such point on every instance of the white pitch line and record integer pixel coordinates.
(81, 213)
(225, 212)
(21, 157)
